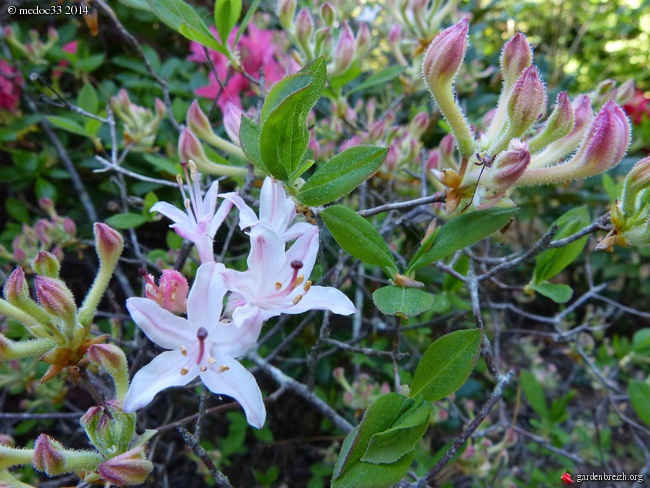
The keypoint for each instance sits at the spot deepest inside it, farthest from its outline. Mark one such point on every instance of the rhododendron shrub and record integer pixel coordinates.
(319, 244)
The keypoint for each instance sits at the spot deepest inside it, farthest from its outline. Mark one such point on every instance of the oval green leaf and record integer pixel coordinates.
(126, 220)
(342, 174)
(446, 365)
(640, 399)
(459, 233)
(557, 292)
(226, 15)
(358, 237)
(249, 138)
(402, 301)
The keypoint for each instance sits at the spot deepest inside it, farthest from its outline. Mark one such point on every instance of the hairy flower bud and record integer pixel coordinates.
(56, 299)
(16, 290)
(364, 39)
(113, 360)
(433, 161)
(328, 14)
(130, 468)
(419, 124)
(395, 35)
(558, 124)
(636, 188)
(345, 50)
(526, 102)
(46, 264)
(108, 243)
(602, 148)
(285, 11)
(232, 115)
(510, 164)
(49, 456)
(190, 149)
(625, 92)
(198, 122)
(304, 28)
(515, 58)
(440, 67)
(447, 148)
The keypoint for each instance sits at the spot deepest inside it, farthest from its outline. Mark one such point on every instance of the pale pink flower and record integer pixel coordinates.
(278, 282)
(201, 345)
(170, 292)
(201, 219)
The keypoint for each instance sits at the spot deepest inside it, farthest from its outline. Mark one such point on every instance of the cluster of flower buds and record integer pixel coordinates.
(609, 90)
(515, 150)
(336, 41)
(362, 392)
(53, 235)
(11, 83)
(60, 328)
(33, 50)
(140, 123)
(630, 214)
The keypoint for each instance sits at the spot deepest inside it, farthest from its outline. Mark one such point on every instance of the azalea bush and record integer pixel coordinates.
(388, 244)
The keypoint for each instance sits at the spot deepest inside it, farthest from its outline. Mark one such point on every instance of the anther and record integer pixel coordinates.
(212, 360)
(300, 279)
(223, 368)
(184, 371)
(183, 351)
(203, 369)
(307, 286)
(278, 285)
(297, 299)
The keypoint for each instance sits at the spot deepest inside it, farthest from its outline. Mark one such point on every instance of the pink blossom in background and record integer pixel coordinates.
(70, 48)
(11, 81)
(637, 107)
(257, 51)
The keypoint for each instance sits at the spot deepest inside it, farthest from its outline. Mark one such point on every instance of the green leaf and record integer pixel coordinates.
(459, 233)
(446, 365)
(382, 415)
(249, 15)
(402, 301)
(249, 138)
(358, 237)
(553, 261)
(46, 189)
(380, 78)
(161, 164)
(137, 4)
(557, 292)
(342, 174)
(68, 125)
(91, 63)
(17, 210)
(534, 393)
(150, 200)
(181, 17)
(87, 99)
(226, 15)
(284, 136)
(640, 399)
(126, 220)
(641, 341)
(390, 445)
(346, 77)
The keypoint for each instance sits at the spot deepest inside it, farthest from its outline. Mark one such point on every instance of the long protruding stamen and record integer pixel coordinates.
(195, 184)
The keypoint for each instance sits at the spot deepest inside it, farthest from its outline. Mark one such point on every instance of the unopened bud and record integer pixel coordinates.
(232, 115)
(108, 243)
(190, 148)
(46, 264)
(46, 204)
(322, 39)
(625, 92)
(174, 288)
(198, 122)
(558, 125)
(130, 468)
(636, 181)
(345, 50)
(419, 124)
(395, 35)
(49, 456)
(304, 27)
(56, 299)
(526, 102)
(515, 58)
(510, 165)
(433, 161)
(16, 290)
(113, 360)
(328, 14)
(285, 11)
(364, 39)
(160, 108)
(7, 440)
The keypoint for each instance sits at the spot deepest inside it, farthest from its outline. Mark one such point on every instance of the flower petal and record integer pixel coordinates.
(205, 301)
(183, 226)
(219, 217)
(247, 217)
(323, 298)
(163, 372)
(266, 258)
(160, 325)
(237, 337)
(305, 250)
(275, 207)
(228, 377)
(210, 199)
(296, 230)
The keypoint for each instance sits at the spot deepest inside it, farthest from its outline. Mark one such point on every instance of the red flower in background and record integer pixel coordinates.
(566, 478)
(638, 107)
(11, 81)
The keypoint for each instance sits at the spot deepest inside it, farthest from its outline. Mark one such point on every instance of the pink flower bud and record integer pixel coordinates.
(49, 456)
(445, 55)
(419, 124)
(161, 110)
(108, 243)
(327, 14)
(625, 92)
(511, 164)
(113, 360)
(56, 298)
(515, 58)
(232, 115)
(47, 205)
(285, 11)
(16, 289)
(130, 468)
(392, 158)
(345, 50)
(69, 226)
(322, 39)
(190, 148)
(43, 230)
(602, 148)
(558, 124)
(395, 35)
(7, 440)
(364, 39)
(526, 102)
(433, 161)
(171, 292)
(377, 130)
(304, 27)
(198, 122)
(46, 264)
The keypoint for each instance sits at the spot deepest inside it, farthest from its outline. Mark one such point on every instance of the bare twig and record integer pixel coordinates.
(435, 198)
